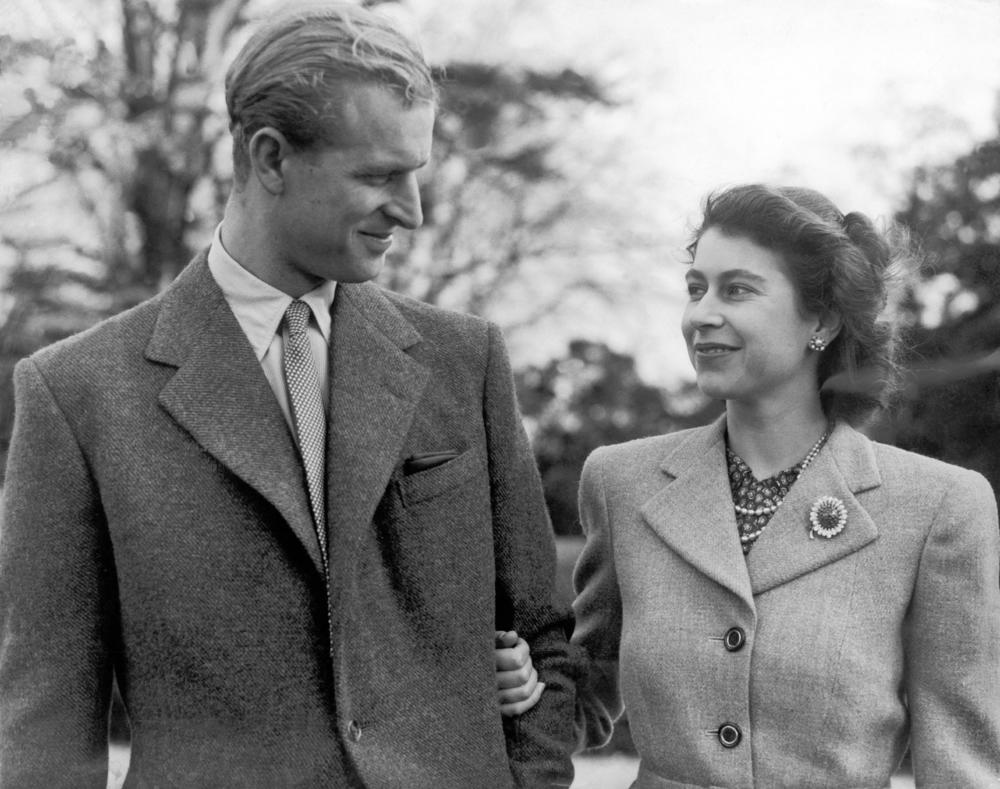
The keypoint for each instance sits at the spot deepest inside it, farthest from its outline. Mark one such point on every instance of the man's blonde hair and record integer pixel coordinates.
(289, 73)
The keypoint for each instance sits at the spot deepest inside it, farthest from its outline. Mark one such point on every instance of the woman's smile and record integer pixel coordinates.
(709, 350)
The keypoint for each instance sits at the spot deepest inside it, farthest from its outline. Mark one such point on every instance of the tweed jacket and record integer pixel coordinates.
(156, 528)
(810, 662)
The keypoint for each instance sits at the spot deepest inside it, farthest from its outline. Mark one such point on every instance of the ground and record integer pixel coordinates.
(616, 771)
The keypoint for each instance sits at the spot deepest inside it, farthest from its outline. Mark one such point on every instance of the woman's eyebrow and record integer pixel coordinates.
(742, 273)
(729, 274)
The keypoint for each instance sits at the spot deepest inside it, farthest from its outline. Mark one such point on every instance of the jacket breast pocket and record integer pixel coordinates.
(422, 485)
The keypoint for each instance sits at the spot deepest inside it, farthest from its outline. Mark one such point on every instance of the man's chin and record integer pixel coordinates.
(364, 271)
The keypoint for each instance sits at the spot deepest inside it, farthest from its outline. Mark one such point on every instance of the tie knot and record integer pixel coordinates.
(297, 317)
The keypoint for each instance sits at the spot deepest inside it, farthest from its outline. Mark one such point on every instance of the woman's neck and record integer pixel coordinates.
(769, 441)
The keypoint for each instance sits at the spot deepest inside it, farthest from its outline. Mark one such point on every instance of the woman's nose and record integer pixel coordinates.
(705, 311)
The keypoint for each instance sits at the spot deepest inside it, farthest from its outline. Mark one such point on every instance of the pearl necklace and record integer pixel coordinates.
(773, 508)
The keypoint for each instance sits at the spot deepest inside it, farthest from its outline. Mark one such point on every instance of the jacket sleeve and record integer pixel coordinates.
(539, 742)
(953, 643)
(598, 612)
(56, 588)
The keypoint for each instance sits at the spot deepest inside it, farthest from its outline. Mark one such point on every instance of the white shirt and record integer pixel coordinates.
(260, 308)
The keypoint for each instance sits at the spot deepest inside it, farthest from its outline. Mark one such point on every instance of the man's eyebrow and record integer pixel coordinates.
(395, 164)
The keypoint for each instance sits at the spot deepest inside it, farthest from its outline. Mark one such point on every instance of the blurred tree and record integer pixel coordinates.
(592, 397)
(950, 408)
(494, 199)
(120, 169)
(113, 139)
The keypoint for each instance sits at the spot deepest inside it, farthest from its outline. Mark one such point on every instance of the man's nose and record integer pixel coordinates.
(404, 207)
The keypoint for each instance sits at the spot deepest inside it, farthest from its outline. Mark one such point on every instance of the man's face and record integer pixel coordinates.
(341, 203)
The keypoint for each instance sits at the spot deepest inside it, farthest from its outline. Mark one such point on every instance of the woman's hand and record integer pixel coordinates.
(517, 680)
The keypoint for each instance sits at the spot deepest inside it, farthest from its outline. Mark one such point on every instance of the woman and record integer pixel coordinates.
(775, 599)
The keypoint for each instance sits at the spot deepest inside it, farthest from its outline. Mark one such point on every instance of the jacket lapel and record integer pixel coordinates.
(375, 388)
(785, 551)
(220, 396)
(693, 513)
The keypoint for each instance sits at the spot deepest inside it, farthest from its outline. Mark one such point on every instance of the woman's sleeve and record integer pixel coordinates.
(598, 612)
(953, 643)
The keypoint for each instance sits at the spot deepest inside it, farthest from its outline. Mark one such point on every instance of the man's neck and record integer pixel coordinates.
(245, 243)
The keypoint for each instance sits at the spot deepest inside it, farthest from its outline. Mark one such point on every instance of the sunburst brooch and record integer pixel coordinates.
(828, 517)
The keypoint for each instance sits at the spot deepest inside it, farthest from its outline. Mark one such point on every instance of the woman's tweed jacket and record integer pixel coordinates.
(885, 634)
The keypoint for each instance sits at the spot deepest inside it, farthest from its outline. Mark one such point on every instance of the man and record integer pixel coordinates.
(284, 509)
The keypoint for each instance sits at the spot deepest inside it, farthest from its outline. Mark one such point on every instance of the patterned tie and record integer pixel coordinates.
(307, 410)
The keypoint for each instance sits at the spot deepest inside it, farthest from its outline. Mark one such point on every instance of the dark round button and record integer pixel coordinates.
(354, 731)
(735, 639)
(730, 735)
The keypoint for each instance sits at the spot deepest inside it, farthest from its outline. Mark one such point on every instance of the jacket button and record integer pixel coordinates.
(354, 731)
(730, 735)
(734, 639)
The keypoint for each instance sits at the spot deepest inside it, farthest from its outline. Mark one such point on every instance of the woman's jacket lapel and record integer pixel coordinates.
(693, 513)
(844, 468)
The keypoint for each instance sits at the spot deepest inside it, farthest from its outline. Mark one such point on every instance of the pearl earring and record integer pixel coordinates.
(817, 343)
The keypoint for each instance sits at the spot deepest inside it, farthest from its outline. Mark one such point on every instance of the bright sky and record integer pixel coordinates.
(739, 89)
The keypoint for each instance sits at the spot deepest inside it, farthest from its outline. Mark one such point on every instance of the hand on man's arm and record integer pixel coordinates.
(540, 742)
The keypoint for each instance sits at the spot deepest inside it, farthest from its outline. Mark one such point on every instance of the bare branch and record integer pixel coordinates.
(222, 21)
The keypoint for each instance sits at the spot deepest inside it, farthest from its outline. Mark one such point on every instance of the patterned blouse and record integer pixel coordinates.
(751, 493)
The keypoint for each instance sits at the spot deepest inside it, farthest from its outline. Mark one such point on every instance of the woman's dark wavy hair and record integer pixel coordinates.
(838, 262)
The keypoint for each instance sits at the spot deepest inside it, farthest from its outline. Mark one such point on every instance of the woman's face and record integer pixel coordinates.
(744, 327)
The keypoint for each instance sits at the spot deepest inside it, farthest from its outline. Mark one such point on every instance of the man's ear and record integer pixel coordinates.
(268, 149)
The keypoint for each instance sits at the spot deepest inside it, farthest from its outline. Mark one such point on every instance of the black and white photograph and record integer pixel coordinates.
(499, 394)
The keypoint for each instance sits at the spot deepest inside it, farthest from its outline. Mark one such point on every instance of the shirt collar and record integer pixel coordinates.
(259, 307)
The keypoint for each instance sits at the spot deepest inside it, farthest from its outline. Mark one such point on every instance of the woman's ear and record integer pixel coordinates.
(829, 325)
(268, 149)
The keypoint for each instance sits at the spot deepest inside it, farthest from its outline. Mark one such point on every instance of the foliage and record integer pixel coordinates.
(494, 199)
(114, 140)
(951, 406)
(126, 131)
(593, 397)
